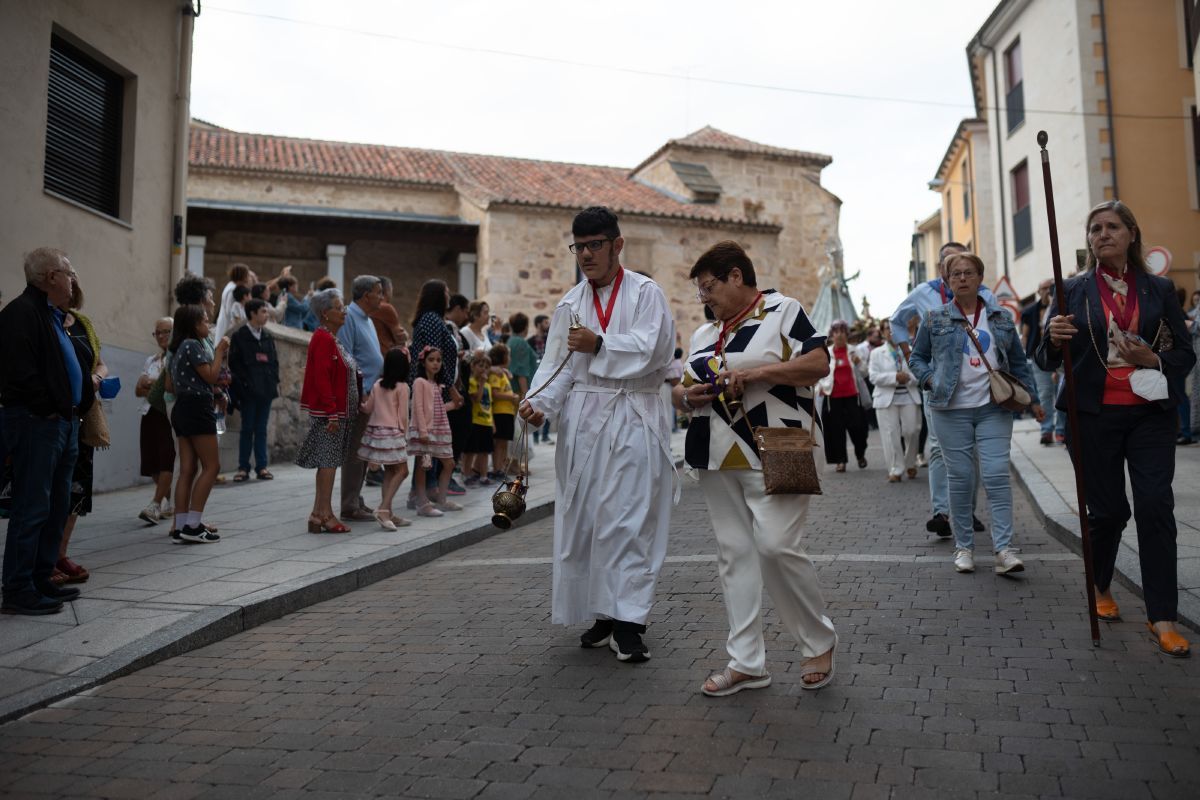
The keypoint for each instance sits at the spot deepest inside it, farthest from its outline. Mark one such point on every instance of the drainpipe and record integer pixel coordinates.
(1112, 134)
(1000, 177)
(971, 191)
(183, 102)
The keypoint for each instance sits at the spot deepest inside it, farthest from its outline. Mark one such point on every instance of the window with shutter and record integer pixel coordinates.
(83, 129)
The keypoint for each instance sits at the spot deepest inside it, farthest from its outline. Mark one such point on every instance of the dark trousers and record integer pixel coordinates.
(255, 414)
(43, 455)
(841, 416)
(354, 469)
(1142, 437)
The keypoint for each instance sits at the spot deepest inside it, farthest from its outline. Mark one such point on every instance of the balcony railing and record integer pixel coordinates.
(1022, 230)
(1015, 101)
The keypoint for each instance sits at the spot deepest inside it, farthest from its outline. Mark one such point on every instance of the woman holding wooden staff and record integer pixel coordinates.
(1131, 352)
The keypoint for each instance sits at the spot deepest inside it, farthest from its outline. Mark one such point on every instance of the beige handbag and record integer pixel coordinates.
(93, 428)
(1007, 392)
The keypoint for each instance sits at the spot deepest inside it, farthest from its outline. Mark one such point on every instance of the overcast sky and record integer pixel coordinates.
(567, 82)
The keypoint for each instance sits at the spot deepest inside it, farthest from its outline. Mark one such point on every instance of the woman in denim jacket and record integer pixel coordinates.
(968, 424)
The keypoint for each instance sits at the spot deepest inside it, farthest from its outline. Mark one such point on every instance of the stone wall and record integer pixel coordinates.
(283, 190)
(525, 265)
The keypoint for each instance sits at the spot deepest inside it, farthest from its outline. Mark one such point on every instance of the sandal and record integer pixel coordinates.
(862, 462)
(428, 510)
(840, 468)
(384, 518)
(241, 476)
(1107, 610)
(264, 475)
(726, 685)
(328, 524)
(74, 572)
(808, 667)
(1170, 642)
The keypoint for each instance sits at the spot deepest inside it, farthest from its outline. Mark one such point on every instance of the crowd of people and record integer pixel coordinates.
(942, 379)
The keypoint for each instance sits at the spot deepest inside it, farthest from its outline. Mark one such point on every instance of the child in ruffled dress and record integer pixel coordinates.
(429, 434)
(384, 441)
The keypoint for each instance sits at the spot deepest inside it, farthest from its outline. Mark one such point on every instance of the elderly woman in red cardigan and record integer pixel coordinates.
(330, 397)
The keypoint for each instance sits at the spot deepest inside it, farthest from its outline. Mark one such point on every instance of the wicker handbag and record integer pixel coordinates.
(788, 464)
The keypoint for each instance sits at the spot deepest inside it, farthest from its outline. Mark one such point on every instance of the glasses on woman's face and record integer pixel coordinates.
(962, 275)
(704, 290)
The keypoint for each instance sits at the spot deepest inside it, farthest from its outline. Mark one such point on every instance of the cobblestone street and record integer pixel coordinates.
(449, 681)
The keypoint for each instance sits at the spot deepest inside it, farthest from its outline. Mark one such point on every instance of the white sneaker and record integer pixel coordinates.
(168, 509)
(150, 514)
(964, 560)
(1007, 561)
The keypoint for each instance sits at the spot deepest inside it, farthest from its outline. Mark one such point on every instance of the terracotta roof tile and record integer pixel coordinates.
(487, 179)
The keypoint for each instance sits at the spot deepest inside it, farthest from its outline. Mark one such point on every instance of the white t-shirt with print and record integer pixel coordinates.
(973, 390)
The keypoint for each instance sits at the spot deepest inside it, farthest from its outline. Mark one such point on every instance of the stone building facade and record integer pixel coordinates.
(498, 228)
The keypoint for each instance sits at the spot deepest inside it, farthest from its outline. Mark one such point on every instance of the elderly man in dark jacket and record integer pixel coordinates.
(44, 390)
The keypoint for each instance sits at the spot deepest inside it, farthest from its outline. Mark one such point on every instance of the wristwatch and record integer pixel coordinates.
(599, 341)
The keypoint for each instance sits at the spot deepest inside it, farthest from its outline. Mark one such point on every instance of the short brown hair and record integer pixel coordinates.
(238, 272)
(474, 309)
(498, 354)
(970, 258)
(519, 323)
(721, 259)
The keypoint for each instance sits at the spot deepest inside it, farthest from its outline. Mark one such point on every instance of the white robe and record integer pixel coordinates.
(613, 460)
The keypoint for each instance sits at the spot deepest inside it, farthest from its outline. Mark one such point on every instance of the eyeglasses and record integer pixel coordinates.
(592, 246)
(162, 333)
(704, 290)
(959, 275)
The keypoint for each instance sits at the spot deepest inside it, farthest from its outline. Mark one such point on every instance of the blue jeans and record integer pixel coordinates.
(255, 413)
(939, 493)
(43, 453)
(967, 434)
(1055, 421)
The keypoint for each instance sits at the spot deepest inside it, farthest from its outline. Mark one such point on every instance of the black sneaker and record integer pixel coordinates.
(976, 525)
(940, 525)
(626, 642)
(197, 535)
(30, 604)
(64, 594)
(597, 635)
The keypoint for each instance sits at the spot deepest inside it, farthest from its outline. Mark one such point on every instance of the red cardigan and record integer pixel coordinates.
(325, 378)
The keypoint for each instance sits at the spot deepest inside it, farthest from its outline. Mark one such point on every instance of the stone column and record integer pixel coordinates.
(467, 264)
(195, 254)
(335, 258)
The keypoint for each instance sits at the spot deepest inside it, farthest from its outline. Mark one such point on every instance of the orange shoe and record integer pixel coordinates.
(1170, 642)
(1107, 610)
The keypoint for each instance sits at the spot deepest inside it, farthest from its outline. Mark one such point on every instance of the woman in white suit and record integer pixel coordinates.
(897, 403)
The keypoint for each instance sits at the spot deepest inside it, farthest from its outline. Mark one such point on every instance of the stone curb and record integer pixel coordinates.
(1063, 525)
(220, 622)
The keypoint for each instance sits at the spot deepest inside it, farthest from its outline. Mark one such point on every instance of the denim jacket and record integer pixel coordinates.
(936, 359)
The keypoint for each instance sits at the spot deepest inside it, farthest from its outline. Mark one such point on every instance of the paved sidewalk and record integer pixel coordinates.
(149, 598)
(449, 681)
(1047, 476)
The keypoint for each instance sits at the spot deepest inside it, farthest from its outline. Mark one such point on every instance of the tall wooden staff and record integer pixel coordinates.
(1072, 418)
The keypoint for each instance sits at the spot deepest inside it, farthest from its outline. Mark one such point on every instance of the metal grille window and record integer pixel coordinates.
(83, 129)
(1022, 219)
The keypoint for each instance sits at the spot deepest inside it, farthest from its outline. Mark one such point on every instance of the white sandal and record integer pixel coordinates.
(384, 518)
(726, 685)
(808, 667)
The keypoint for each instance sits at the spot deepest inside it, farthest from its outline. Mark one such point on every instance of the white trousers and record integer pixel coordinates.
(895, 422)
(758, 543)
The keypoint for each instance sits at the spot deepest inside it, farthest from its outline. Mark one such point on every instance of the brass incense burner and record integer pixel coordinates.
(508, 502)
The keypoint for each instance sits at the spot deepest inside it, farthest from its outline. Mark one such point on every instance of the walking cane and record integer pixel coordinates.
(1076, 445)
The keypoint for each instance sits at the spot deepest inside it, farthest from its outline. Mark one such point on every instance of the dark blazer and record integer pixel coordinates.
(254, 364)
(32, 371)
(1156, 301)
